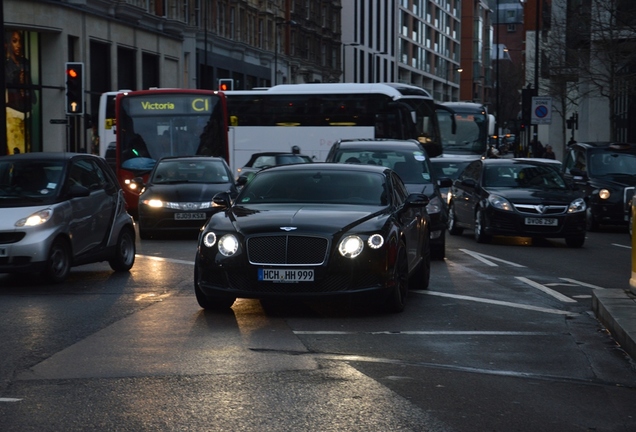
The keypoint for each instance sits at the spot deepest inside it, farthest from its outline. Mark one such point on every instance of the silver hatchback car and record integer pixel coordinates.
(60, 210)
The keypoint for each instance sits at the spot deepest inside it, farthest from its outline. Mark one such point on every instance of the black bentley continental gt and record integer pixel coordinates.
(313, 231)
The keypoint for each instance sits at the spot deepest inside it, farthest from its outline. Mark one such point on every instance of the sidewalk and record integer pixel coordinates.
(616, 309)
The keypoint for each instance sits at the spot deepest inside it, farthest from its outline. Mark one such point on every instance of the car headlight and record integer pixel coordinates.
(434, 205)
(156, 203)
(499, 203)
(375, 241)
(578, 205)
(209, 239)
(228, 245)
(35, 219)
(604, 194)
(351, 246)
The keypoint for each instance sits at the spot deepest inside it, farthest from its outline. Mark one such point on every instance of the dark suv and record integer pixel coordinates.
(606, 172)
(409, 159)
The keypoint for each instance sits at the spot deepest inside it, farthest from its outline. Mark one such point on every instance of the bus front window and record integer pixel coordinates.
(469, 136)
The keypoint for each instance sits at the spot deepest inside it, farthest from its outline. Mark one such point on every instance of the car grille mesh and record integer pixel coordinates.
(287, 249)
(541, 210)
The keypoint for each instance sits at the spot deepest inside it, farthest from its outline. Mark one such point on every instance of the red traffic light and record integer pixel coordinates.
(223, 87)
(72, 73)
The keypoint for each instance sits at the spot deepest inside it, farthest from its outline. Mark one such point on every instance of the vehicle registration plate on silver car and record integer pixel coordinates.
(287, 275)
(189, 216)
(542, 221)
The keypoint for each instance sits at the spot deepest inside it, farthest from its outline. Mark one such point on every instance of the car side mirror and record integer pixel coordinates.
(241, 181)
(222, 200)
(444, 182)
(468, 182)
(417, 200)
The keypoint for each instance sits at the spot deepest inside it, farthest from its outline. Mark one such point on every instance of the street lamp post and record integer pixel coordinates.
(373, 64)
(344, 58)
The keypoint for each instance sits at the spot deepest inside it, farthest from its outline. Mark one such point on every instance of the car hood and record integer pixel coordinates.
(536, 196)
(317, 218)
(185, 192)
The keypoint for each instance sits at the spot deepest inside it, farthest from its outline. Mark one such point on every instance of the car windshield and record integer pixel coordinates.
(450, 169)
(29, 181)
(605, 163)
(411, 166)
(184, 171)
(315, 186)
(523, 177)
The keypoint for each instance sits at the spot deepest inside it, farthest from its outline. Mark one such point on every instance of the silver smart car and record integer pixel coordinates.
(59, 210)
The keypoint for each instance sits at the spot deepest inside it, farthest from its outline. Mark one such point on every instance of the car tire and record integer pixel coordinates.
(438, 250)
(397, 299)
(58, 263)
(453, 229)
(211, 303)
(480, 227)
(125, 249)
(422, 275)
(575, 242)
(591, 223)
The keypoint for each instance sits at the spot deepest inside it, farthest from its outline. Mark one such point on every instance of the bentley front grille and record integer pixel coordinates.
(287, 250)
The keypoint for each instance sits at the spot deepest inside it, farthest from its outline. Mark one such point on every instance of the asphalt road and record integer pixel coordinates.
(504, 340)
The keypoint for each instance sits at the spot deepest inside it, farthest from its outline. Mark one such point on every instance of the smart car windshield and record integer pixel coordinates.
(29, 181)
(315, 186)
(523, 176)
(411, 166)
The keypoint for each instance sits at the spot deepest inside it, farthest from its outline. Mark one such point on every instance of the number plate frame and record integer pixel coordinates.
(542, 221)
(190, 216)
(285, 275)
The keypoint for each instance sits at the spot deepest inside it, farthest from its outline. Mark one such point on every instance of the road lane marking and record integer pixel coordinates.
(497, 302)
(574, 281)
(9, 399)
(427, 333)
(488, 260)
(172, 260)
(557, 295)
(621, 246)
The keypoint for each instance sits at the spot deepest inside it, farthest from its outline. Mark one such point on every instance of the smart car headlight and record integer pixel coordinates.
(156, 203)
(351, 246)
(375, 241)
(499, 203)
(604, 194)
(228, 245)
(37, 218)
(578, 205)
(434, 205)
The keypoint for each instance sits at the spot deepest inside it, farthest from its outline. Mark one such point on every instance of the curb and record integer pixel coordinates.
(616, 309)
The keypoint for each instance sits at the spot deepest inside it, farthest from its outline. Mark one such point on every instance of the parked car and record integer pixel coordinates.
(179, 192)
(59, 210)
(516, 197)
(606, 173)
(315, 231)
(258, 161)
(409, 159)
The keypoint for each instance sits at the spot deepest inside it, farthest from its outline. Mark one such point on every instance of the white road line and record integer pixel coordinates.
(621, 246)
(427, 333)
(9, 399)
(154, 258)
(574, 281)
(496, 302)
(488, 260)
(557, 295)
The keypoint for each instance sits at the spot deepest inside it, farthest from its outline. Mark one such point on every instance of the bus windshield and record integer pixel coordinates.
(152, 126)
(470, 136)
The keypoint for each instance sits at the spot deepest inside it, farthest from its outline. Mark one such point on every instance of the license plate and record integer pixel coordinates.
(542, 221)
(287, 275)
(189, 216)
(3, 252)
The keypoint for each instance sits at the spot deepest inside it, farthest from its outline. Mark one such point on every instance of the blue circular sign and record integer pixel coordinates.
(541, 111)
